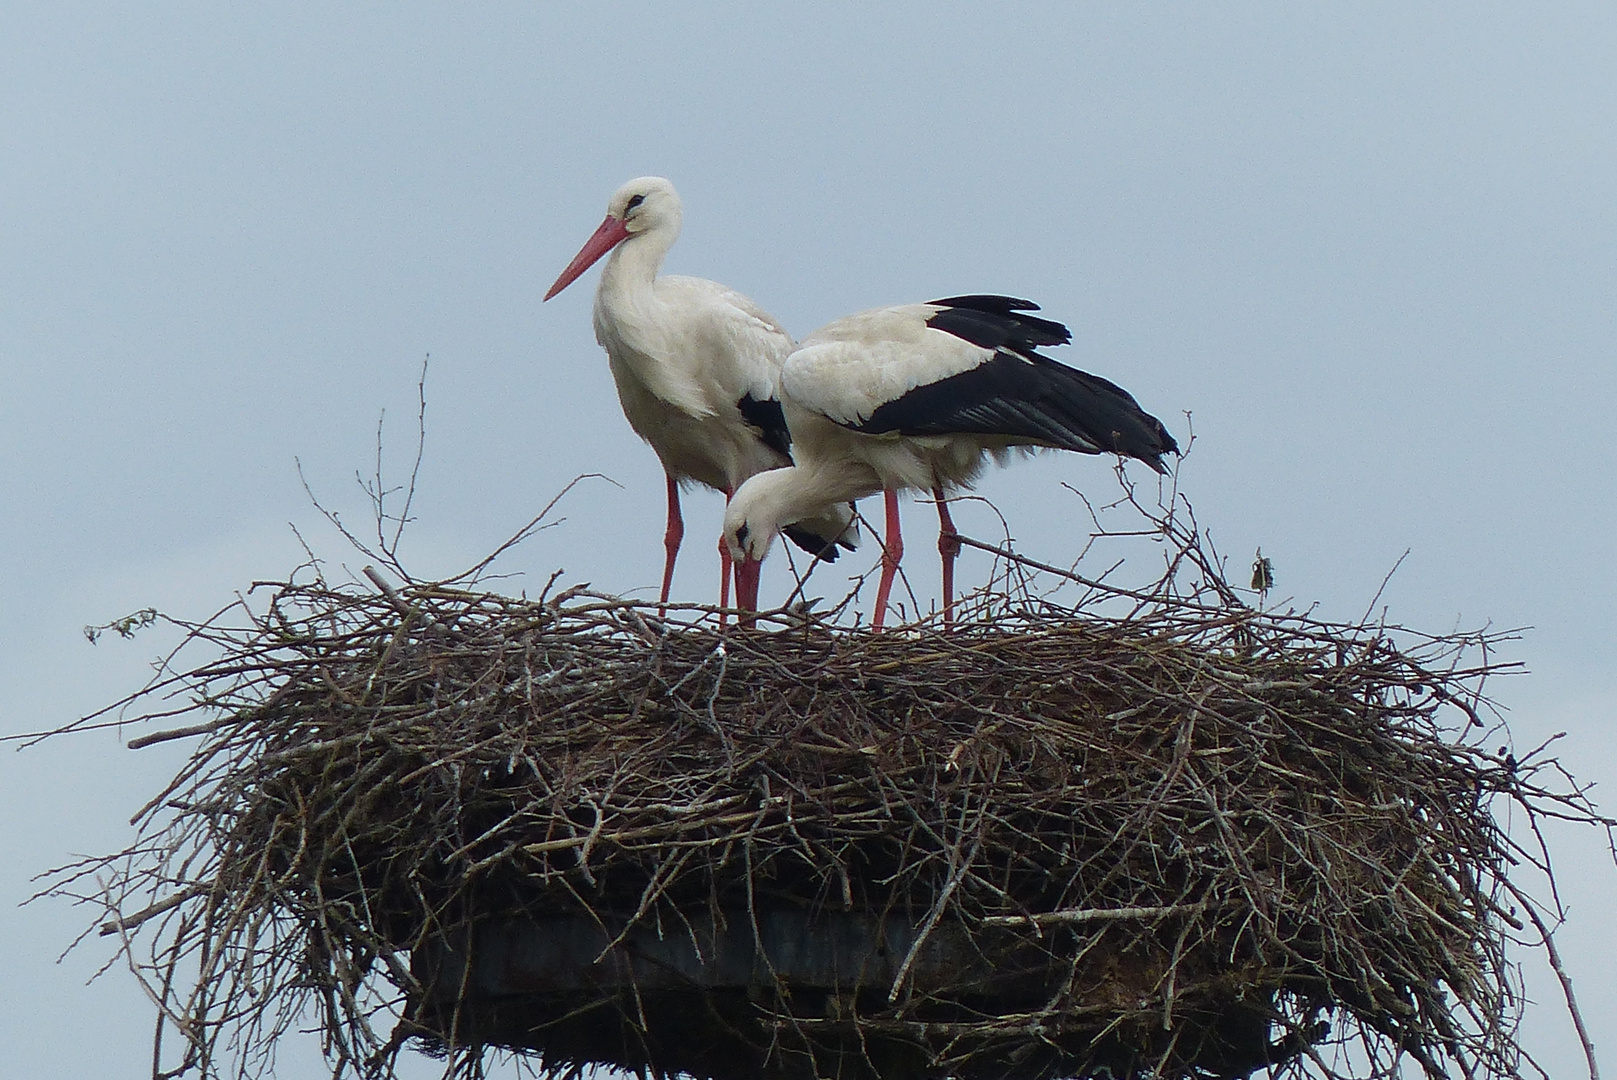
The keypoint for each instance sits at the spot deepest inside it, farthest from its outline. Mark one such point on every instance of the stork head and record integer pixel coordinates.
(749, 533)
(646, 205)
(751, 523)
(767, 504)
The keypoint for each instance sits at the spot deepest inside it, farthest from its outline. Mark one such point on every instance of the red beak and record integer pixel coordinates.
(747, 573)
(611, 233)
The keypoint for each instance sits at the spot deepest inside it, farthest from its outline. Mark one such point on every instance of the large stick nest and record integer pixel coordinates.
(1183, 839)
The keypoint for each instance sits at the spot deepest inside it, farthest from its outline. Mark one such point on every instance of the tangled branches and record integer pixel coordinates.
(1182, 839)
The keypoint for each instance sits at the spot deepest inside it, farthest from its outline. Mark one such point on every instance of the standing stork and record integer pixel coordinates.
(918, 397)
(697, 367)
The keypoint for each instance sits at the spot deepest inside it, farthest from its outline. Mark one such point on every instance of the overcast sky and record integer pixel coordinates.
(1372, 250)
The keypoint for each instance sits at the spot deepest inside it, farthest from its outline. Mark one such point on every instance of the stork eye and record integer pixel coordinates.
(634, 202)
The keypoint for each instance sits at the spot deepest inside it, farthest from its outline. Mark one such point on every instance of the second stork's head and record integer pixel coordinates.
(752, 520)
(755, 515)
(792, 502)
(647, 206)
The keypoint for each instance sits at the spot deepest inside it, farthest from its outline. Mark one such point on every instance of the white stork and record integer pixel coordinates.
(917, 397)
(697, 368)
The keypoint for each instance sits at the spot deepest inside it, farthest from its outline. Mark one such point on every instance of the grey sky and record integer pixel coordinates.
(1372, 249)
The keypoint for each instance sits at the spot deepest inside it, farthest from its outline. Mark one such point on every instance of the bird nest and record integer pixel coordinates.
(1148, 834)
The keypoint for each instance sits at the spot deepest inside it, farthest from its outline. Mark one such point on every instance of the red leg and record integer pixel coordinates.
(948, 547)
(892, 551)
(671, 538)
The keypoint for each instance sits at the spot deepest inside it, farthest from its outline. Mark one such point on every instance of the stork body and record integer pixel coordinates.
(697, 368)
(920, 397)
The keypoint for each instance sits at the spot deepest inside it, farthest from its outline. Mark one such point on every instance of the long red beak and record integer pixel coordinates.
(747, 573)
(611, 233)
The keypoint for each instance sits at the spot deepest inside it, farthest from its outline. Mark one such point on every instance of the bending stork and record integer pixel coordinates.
(697, 367)
(917, 397)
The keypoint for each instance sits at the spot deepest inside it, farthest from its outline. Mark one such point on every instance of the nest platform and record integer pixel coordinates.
(1190, 840)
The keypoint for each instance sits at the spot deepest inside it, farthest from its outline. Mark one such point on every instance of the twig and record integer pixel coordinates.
(1069, 916)
(169, 903)
(1554, 956)
(140, 742)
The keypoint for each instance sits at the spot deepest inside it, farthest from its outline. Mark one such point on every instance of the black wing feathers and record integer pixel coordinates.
(770, 419)
(994, 322)
(1018, 395)
(815, 545)
(1029, 400)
